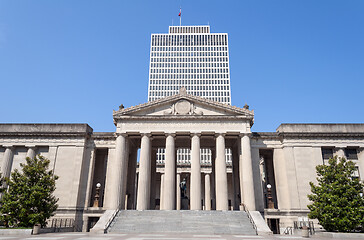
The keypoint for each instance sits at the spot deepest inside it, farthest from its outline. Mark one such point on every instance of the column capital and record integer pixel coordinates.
(170, 134)
(149, 135)
(245, 134)
(11, 147)
(121, 134)
(339, 148)
(198, 134)
(220, 134)
(30, 146)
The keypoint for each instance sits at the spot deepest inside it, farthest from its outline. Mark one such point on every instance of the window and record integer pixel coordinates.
(327, 153)
(351, 154)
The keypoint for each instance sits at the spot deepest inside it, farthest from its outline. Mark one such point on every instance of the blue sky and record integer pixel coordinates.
(292, 61)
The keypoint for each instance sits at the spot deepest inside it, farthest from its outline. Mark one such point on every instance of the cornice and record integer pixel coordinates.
(46, 129)
(321, 135)
(44, 134)
(264, 135)
(183, 117)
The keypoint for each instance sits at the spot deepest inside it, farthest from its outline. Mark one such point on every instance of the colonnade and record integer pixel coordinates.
(170, 198)
(7, 162)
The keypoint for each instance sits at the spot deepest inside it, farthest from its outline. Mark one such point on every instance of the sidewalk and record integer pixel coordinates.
(163, 236)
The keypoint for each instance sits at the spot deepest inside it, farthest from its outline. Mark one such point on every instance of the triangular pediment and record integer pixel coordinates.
(183, 105)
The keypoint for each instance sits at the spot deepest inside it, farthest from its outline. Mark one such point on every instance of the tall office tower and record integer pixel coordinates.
(190, 57)
(194, 58)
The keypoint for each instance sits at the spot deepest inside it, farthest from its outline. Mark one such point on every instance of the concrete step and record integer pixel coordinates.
(201, 222)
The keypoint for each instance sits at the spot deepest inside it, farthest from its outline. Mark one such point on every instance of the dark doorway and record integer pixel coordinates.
(267, 174)
(273, 224)
(91, 222)
(101, 157)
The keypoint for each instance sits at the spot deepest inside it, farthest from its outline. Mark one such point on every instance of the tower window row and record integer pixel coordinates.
(189, 82)
(181, 65)
(196, 93)
(188, 76)
(173, 50)
(155, 88)
(189, 70)
(188, 54)
(189, 40)
(189, 29)
(189, 59)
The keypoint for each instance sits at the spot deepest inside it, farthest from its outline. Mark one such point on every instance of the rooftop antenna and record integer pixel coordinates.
(172, 21)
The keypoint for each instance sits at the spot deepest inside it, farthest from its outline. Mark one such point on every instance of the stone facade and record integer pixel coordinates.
(285, 159)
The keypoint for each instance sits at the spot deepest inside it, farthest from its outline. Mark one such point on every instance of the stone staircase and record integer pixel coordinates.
(199, 222)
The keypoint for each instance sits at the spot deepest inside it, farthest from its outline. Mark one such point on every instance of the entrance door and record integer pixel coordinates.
(273, 224)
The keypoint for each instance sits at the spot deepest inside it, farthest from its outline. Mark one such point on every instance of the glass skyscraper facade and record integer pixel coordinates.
(190, 57)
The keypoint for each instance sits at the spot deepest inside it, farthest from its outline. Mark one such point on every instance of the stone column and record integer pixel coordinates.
(90, 179)
(169, 201)
(213, 180)
(221, 175)
(116, 169)
(31, 152)
(153, 178)
(178, 190)
(246, 178)
(143, 201)
(132, 177)
(123, 155)
(7, 161)
(161, 192)
(207, 192)
(195, 190)
(236, 183)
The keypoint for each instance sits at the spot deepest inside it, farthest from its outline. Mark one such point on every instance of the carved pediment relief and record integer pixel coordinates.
(182, 107)
(183, 104)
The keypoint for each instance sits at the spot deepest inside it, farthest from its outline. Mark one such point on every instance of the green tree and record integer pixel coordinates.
(29, 199)
(337, 200)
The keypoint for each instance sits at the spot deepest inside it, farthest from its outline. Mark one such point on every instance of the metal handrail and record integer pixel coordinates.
(309, 224)
(288, 230)
(107, 225)
(58, 223)
(245, 208)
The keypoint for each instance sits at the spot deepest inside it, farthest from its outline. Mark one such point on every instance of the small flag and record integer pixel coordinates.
(179, 14)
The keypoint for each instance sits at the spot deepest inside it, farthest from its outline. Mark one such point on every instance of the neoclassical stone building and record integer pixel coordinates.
(125, 163)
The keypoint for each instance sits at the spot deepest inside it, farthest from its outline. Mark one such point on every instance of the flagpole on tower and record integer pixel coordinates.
(180, 17)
